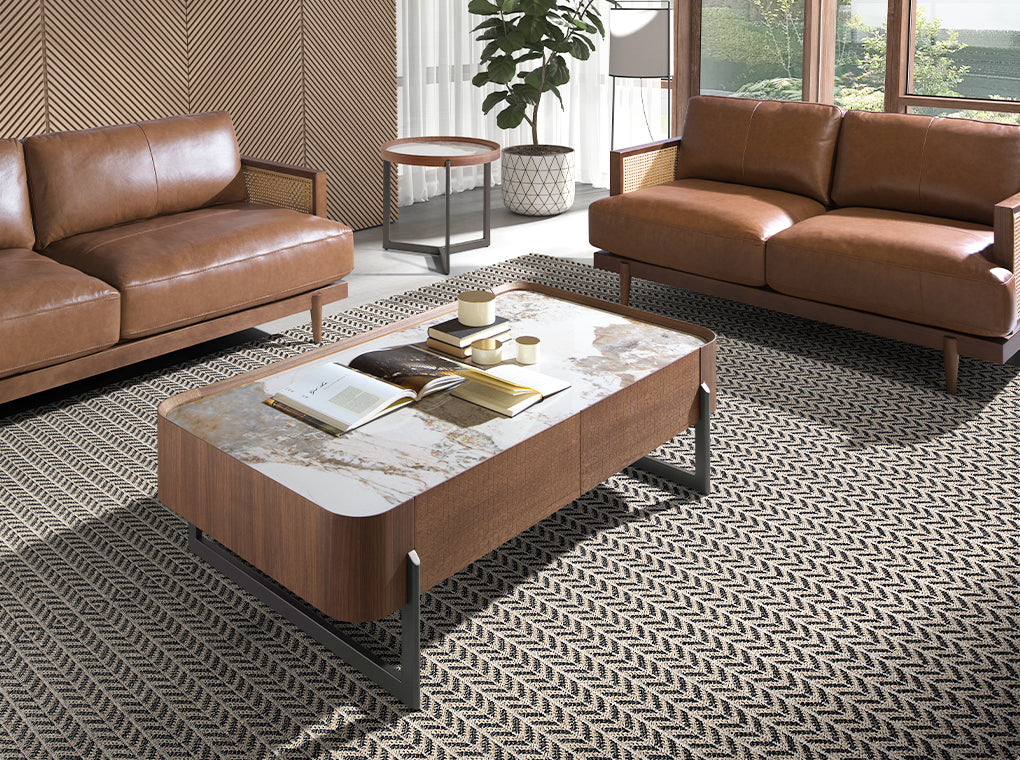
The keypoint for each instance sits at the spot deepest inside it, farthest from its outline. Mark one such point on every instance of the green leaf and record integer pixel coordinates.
(556, 71)
(512, 42)
(533, 79)
(489, 51)
(482, 7)
(595, 19)
(526, 93)
(480, 79)
(492, 33)
(556, 91)
(537, 7)
(532, 27)
(579, 50)
(489, 22)
(492, 99)
(502, 69)
(510, 117)
(509, 6)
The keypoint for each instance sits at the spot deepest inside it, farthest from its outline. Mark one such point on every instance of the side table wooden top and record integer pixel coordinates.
(437, 150)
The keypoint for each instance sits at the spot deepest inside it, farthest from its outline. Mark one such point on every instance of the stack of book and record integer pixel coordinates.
(454, 339)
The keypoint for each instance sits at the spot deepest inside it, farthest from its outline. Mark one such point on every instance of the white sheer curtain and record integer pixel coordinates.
(436, 58)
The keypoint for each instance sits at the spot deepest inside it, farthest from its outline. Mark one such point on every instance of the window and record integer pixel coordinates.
(950, 57)
(752, 48)
(967, 51)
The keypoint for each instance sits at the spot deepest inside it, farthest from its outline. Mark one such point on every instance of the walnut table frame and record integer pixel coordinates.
(446, 152)
(339, 524)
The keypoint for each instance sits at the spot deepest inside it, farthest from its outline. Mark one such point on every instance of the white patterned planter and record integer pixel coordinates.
(538, 180)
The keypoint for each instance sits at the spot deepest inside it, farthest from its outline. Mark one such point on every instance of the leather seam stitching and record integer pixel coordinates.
(129, 235)
(889, 264)
(920, 167)
(747, 140)
(155, 175)
(55, 309)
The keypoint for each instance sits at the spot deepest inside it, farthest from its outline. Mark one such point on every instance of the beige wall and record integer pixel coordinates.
(308, 82)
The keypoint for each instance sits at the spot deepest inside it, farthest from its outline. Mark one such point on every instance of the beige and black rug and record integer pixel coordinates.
(850, 588)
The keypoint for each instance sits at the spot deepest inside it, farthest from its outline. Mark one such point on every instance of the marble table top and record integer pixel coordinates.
(392, 459)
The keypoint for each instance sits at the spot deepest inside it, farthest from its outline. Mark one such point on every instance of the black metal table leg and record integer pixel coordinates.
(700, 479)
(404, 682)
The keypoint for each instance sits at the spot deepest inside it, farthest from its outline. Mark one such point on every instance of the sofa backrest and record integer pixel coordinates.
(15, 215)
(954, 168)
(96, 178)
(767, 143)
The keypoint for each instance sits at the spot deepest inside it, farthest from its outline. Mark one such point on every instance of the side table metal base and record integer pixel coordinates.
(442, 251)
(404, 682)
(700, 479)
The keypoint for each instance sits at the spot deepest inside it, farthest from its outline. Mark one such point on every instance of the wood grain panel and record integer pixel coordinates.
(624, 427)
(244, 57)
(351, 106)
(470, 515)
(114, 61)
(22, 69)
(352, 569)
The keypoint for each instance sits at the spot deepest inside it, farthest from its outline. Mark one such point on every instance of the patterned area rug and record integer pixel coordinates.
(848, 590)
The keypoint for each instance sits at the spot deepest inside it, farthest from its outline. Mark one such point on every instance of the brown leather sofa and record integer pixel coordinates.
(122, 243)
(905, 226)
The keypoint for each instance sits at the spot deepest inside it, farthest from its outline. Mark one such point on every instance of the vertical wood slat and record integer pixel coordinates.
(311, 82)
(812, 69)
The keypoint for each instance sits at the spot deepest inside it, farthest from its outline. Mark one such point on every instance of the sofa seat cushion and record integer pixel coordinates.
(708, 228)
(50, 313)
(918, 268)
(184, 268)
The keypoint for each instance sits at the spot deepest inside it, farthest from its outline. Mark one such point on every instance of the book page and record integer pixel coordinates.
(419, 371)
(341, 396)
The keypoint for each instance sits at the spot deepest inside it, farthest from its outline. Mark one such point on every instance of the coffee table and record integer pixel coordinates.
(447, 152)
(357, 526)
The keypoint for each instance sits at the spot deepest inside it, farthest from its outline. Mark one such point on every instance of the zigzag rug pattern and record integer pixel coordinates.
(849, 589)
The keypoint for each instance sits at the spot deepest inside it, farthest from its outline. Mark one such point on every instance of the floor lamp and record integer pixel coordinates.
(639, 47)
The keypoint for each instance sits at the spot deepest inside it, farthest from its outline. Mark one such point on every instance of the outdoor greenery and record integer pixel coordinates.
(758, 46)
(527, 43)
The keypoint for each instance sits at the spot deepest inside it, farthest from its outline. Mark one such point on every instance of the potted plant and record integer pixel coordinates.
(525, 56)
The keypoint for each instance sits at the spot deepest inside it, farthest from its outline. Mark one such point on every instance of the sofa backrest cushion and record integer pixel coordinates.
(781, 145)
(96, 178)
(954, 168)
(15, 214)
(196, 160)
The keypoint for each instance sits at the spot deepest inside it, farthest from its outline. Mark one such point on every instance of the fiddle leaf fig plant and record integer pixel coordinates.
(526, 47)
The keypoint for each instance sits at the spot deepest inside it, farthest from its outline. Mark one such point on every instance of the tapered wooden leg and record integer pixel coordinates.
(317, 318)
(624, 283)
(951, 355)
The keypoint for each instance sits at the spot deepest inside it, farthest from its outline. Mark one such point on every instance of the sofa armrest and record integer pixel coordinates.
(1006, 252)
(642, 166)
(285, 186)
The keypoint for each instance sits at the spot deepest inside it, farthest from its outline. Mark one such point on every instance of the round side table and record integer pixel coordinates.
(439, 151)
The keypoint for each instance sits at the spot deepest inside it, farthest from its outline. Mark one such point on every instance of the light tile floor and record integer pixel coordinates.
(379, 273)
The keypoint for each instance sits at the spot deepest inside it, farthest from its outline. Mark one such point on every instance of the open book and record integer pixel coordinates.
(337, 398)
(508, 388)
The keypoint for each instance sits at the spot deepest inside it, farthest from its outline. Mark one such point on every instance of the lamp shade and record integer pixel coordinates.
(639, 42)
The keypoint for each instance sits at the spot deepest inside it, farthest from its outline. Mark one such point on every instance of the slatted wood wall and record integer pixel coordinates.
(308, 82)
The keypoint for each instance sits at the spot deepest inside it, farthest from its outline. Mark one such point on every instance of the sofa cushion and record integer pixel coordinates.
(713, 229)
(15, 214)
(96, 178)
(51, 313)
(786, 146)
(184, 268)
(922, 269)
(955, 168)
(196, 160)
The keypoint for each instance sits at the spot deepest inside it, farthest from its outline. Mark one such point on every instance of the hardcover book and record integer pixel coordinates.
(456, 334)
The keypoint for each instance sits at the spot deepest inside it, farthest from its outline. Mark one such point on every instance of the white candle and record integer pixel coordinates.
(487, 351)
(476, 308)
(527, 349)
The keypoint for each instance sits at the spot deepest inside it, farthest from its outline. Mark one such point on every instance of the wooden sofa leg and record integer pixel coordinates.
(624, 283)
(951, 355)
(317, 318)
